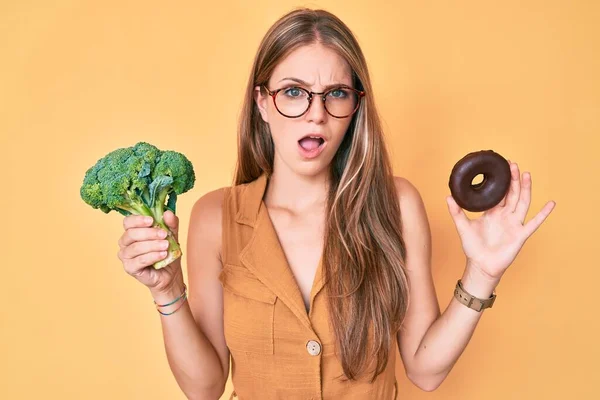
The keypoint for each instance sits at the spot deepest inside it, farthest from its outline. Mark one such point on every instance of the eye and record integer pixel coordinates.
(294, 92)
(339, 93)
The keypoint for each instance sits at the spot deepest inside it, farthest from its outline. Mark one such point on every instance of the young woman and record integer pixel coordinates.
(313, 268)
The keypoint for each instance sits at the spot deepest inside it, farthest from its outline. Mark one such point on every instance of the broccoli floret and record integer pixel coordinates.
(137, 180)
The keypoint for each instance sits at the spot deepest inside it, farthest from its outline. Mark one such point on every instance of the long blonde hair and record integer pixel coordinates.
(364, 250)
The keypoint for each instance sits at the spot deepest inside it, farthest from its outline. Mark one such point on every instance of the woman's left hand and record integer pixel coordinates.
(492, 241)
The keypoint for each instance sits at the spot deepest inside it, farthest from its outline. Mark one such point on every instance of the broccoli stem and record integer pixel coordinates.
(135, 207)
(174, 249)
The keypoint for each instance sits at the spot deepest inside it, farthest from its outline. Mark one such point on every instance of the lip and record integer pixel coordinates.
(314, 135)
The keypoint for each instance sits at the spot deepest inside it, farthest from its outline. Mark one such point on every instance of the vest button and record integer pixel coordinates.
(313, 347)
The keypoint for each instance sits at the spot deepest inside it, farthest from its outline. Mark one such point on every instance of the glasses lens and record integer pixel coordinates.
(339, 102)
(292, 101)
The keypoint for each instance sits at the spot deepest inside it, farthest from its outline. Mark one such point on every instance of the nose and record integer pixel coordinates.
(316, 111)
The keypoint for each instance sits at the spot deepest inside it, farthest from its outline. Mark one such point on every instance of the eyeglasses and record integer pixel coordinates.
(293, 102)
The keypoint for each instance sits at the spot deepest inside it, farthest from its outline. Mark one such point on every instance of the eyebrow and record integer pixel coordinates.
(298, 80)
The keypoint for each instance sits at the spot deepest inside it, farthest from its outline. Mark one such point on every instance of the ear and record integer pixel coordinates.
(261, 100)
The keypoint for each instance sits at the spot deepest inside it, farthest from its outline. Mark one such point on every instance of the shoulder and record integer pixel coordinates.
(210, 207)
(206, 219)
(415, 224)
(408, 194)
(209, 204)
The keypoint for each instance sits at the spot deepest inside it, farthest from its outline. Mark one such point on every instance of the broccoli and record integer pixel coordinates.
(137, 180)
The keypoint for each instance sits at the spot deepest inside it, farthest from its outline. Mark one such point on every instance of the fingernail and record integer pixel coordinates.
(162, 234)
(148, 219)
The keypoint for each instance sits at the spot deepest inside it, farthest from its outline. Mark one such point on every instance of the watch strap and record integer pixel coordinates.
(471, 301)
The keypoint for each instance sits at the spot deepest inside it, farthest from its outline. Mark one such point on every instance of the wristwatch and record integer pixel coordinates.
(471, 301)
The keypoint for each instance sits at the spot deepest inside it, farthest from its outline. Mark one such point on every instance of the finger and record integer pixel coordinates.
(137, 221)
(535, 223)
(140, 248)
(133, 235)
(514, 190)
(147, 246)
(458, 214)
(172, 222)
(498, 206)
(524, 197)
(134, 266)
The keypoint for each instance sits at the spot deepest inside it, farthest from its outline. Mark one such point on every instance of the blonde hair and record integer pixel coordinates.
(364, 249)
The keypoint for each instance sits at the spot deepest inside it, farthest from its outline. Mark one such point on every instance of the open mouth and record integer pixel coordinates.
(311, 143)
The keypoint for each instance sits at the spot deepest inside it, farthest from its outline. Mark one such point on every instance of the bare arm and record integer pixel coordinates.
(193, 336)
(430, 343)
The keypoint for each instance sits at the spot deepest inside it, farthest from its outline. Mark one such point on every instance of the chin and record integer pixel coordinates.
(312, 169)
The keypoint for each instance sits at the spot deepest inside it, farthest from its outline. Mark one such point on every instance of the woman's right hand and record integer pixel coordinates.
(140, 248)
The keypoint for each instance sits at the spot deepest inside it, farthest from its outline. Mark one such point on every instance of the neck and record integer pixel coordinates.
(290, 190)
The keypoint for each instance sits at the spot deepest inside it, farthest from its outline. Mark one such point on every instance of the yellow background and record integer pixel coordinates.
(82, 78)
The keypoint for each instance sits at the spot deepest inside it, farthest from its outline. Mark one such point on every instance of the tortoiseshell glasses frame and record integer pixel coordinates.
(360, 94)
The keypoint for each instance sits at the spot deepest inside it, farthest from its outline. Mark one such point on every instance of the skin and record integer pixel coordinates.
(430, 342)
(296, 194)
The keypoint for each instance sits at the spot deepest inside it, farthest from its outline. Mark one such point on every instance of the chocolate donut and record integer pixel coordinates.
(489, 192)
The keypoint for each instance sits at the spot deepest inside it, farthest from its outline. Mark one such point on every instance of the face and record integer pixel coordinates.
(319, 67)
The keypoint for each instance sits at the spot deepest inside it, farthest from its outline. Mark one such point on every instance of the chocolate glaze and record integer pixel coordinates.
(489, 192)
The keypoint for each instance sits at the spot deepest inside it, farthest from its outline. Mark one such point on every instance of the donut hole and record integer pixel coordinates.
(478, 181)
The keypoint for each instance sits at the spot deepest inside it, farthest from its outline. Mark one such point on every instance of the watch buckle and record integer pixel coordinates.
(471, 303)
